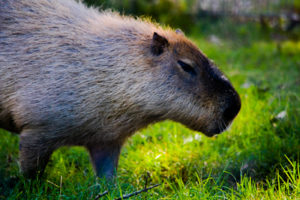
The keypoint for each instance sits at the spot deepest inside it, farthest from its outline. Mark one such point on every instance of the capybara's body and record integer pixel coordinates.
(70, 75)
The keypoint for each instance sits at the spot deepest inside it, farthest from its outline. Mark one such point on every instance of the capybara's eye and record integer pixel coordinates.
(186, 67)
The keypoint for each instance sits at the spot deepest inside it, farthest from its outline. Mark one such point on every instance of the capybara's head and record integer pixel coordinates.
(188, 87)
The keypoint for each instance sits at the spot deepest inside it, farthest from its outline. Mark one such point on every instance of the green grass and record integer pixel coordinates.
(257, 158)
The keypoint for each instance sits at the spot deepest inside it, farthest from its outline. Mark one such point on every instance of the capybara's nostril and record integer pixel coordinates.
(233, 108)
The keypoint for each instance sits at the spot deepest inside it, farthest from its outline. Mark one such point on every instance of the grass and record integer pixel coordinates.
(257, 158)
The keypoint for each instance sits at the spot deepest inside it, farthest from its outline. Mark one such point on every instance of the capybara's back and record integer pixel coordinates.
(71, 75)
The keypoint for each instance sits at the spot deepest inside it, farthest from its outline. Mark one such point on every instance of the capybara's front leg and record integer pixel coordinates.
(105, 158)
(34, 153)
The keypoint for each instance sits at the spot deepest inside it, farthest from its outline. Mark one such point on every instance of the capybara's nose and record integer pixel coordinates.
(233, 107)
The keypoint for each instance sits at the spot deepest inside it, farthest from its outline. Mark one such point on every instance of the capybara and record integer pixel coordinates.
(71, 75)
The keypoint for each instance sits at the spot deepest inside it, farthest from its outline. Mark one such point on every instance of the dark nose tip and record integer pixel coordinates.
(233, 107)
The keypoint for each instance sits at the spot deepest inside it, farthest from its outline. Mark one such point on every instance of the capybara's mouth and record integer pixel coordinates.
(217, 129)
(213, 132)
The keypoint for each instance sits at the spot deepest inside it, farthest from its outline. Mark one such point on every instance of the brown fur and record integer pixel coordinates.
(73, 76)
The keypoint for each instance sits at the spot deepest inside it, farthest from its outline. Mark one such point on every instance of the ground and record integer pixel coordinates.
(256, 158)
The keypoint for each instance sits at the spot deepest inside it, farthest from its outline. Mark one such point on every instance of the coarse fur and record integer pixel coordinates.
(71, 75)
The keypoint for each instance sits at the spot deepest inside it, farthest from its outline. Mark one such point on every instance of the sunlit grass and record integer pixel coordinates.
(257, 158)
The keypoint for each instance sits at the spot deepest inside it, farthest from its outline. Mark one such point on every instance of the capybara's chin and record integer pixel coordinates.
(210, 130)
(214, 130)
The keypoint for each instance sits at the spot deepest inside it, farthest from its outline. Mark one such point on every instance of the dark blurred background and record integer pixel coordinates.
(273, 16)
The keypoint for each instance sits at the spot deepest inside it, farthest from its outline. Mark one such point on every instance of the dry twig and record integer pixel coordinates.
(131, 194)
(137, 192)
(101, 195)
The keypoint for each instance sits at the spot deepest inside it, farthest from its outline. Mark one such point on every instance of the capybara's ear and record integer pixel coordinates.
(179, 31)
(158, 44)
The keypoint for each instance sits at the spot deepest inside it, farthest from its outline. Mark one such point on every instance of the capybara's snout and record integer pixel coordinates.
(218, 102)
(227, 105)
(228, 110)
(233, 106)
